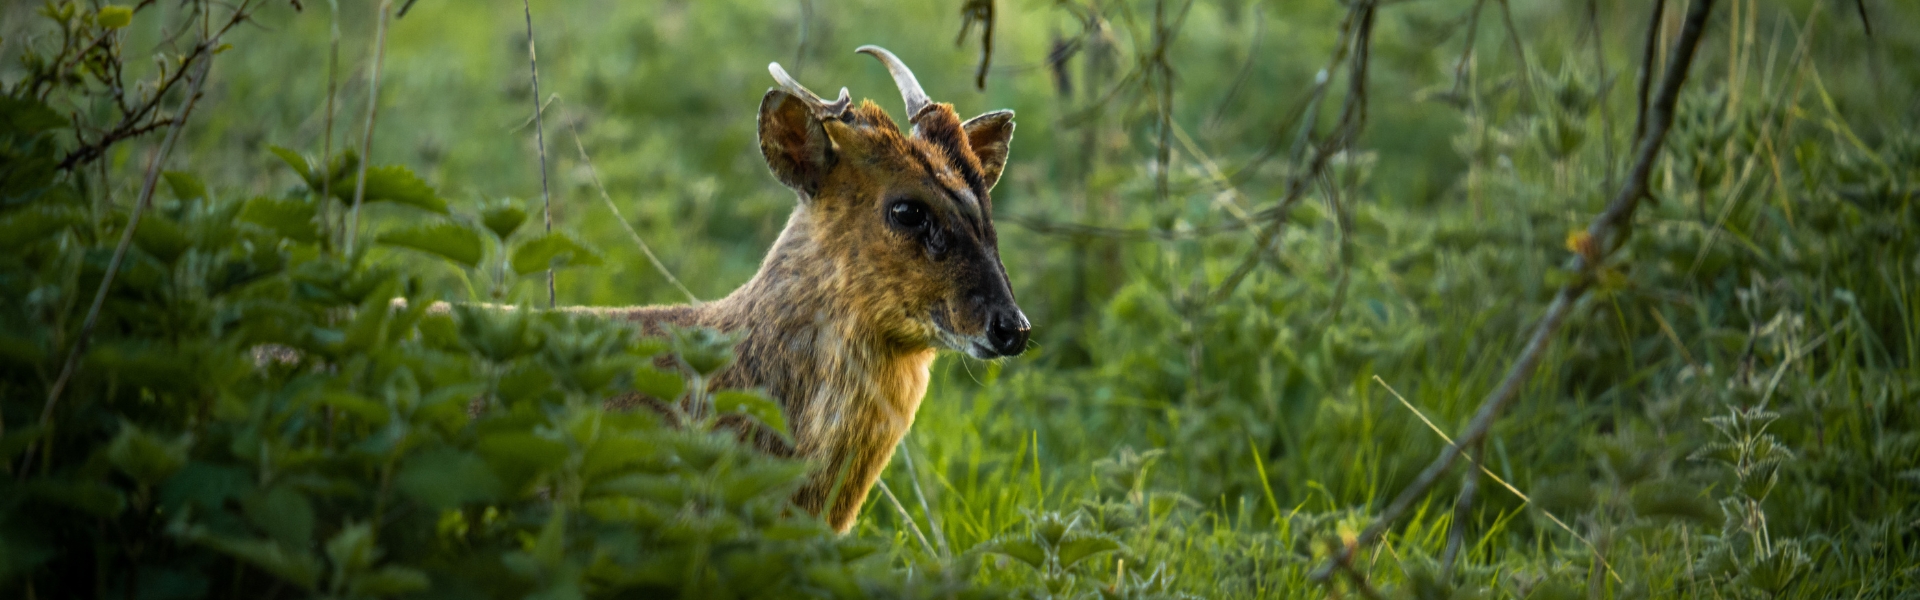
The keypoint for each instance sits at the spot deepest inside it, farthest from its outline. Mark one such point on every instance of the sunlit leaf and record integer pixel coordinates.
(552, 250)
(446, 239)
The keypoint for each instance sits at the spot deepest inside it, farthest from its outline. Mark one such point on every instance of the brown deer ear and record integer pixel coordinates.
(796, 147)
(989, 135)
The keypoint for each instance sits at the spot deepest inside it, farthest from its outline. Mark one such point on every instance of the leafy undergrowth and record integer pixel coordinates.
(1733, 411)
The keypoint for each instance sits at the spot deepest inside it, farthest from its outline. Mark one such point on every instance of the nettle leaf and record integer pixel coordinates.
(498, 335)
(390, 581)
(754, 404)
(91, 497)
(353, 548)
(556, 250)
(145, 457)
(659, 384)
(519, 456)
(289, 217)
(503, 219)
(445, 478)
(391, 183)
(446, 239)
(27, 117)
(1020, 548)
(15, 441)
(283, 513)
(299, 164)
(1079, 546)
(36, 222)
(298, 567)
(185, 186)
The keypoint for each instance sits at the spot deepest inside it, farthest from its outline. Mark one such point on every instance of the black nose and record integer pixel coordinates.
(1007, 331)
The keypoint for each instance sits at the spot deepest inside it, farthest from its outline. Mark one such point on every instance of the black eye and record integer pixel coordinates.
(908, 215)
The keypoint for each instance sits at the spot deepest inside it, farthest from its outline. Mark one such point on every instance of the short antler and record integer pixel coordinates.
(902, 77)
(821, 108)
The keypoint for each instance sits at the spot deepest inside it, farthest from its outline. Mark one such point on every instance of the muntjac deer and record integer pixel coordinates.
(890, 256)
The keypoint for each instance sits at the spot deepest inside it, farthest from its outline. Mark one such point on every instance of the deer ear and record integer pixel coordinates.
(989, 135)
(796, 147)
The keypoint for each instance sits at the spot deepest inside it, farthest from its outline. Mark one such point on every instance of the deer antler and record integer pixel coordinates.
(903, 78)
(821, 108)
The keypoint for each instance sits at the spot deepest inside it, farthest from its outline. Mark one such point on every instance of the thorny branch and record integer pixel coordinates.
(120, 251)
(137, 118)
(1607, 232)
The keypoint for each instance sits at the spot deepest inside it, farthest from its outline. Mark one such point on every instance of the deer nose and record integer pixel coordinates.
(1008, 332)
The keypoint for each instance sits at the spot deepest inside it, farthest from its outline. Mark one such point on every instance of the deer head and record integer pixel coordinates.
(907, 216)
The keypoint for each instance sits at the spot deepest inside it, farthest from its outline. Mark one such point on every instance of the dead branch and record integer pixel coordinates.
(1607, 232)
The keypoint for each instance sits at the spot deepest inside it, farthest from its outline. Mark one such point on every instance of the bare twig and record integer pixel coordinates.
(540, 139)
(136, 119)
(120, 252)
(644, 249)
(1647, 53)
(1353, 118)
(366, 136)
(1607, 231)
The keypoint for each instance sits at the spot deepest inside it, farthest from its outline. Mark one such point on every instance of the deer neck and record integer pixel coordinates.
(849, 392)
(811, 345)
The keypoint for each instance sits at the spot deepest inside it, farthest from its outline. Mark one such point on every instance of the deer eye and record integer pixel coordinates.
(908, 215)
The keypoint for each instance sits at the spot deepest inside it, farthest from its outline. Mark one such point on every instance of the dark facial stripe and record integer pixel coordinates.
(973, 215)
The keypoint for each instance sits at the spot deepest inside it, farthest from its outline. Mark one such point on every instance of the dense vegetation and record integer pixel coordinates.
(1277, 255)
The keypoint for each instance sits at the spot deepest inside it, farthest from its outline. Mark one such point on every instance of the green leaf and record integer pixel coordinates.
(27, 117)
(34, 223)
(114, 16)
(145, 457)
(185, 186)
(283, 513)
(446, 239)
(392, 183)
(162, 238)
(299, 164)
(292, 565)
(291, 218)
(553, 249)
(92, 497)
(754, 404)
(1079, 546)
(659, 384)
(503, 218)
(353, 548)
(1020, 548)
(17, 439)
(519, 456)
(445, 478)
(390, 581)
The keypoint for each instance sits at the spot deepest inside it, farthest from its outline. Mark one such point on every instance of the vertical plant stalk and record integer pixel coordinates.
(140, 207)
(373, 112)
(540, 140)
(1462, 511)
(933, 521)
(1162, 73)
(326, 144)
(1607, 232)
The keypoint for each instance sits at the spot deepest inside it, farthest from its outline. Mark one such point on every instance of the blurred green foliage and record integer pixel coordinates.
(1734, 411)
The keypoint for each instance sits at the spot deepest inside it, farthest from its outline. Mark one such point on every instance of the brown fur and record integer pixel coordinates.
(843, 318)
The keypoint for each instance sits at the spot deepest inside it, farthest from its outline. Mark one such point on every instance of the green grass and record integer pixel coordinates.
(1226, 445)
